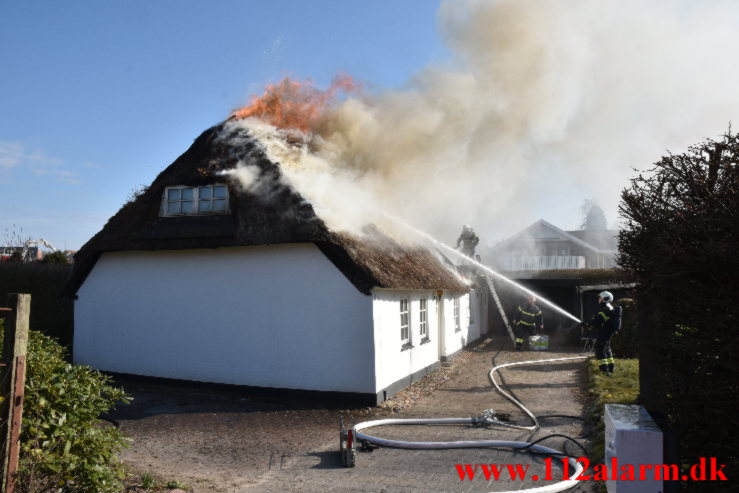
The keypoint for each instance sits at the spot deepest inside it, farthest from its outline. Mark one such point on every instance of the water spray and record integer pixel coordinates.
(480, 265)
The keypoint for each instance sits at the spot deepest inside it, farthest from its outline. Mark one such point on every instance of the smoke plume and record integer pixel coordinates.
(543, 104)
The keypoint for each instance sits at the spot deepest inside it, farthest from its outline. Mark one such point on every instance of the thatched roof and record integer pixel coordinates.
(280, 215)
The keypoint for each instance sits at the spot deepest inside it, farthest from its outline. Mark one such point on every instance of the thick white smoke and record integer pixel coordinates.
(544, 104)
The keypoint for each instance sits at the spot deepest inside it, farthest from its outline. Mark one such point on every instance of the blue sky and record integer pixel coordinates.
(541, 105)
(98, 97)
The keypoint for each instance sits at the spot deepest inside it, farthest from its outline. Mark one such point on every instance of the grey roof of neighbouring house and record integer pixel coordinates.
(280, 216)
(604, 241)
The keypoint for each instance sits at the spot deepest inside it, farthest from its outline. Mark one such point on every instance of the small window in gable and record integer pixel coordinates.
(183, 201)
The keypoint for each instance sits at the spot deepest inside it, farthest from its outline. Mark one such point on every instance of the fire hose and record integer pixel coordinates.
(487, 418)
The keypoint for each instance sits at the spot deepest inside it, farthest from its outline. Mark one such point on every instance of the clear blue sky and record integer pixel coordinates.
(98, 97)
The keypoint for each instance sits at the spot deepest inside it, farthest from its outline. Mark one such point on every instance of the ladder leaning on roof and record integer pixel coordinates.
(500, 308)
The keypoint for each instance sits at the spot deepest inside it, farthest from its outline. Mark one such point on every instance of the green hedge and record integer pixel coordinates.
(625, 343)
(680, 238)
(51, 313)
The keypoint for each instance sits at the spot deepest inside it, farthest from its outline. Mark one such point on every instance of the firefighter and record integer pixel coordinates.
(468, 240)
(527, 321)
(605, 323)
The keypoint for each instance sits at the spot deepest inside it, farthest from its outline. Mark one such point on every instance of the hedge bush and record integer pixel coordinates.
(64, 443)
(679, 241)
(51, 313)
(625, 343)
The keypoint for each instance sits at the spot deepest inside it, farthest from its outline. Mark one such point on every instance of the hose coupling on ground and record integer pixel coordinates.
(489, 417)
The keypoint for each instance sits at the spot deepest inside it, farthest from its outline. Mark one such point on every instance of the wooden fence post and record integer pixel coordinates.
(12, 383)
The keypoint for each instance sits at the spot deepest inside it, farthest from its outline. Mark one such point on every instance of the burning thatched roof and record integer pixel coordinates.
(280, 215)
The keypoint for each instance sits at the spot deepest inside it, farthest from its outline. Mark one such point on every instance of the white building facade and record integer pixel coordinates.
(278, 316)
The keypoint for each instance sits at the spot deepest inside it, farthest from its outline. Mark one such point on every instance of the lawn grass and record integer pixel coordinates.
(620, 388)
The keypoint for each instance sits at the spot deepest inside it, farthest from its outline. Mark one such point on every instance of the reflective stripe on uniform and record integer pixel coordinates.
(526, 323)
(605, 317)
(610, 361)
(529, 314)
(603, 361)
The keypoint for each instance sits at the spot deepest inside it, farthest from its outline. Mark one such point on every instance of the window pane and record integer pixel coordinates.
(204, 206)
(205, 192)
(219, 192)
(173, 207)
(187, 194)
(173, 194)
(187, 207)
(219, 206)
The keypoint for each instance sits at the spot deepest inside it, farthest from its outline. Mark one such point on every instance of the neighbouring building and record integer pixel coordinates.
(543, 246)
(197, 279)
(28, 254)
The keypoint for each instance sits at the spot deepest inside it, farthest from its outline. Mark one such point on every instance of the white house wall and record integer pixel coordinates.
(393, 361)
(457, 339)
(277, 316)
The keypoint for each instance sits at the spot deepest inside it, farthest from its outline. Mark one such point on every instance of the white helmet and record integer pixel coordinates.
(607, 296)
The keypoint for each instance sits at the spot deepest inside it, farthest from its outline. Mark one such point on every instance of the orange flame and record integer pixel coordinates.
(294, 104)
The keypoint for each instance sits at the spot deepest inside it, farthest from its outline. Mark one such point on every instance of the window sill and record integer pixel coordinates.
(406, 347)
(425, 340)
(190, 214)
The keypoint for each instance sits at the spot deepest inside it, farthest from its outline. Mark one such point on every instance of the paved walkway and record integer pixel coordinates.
(546, 389)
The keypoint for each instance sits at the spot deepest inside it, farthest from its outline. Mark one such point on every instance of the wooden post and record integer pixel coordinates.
(12, 383)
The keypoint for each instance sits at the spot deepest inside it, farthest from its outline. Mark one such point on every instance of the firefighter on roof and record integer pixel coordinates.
(528, 320)
(468, 240)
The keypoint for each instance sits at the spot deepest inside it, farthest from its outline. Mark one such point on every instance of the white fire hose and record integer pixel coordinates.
(484, 420)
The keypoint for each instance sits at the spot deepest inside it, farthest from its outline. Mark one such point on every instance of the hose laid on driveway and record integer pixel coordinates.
(550, 488)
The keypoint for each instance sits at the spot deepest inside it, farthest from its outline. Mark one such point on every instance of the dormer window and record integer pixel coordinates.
(185, 201)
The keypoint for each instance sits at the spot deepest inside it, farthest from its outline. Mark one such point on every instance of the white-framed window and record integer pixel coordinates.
(457, 325)
(185, 201)
(405, 321)
(423, 325)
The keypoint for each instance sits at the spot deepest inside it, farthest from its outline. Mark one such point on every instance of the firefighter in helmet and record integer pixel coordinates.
(605, 323)
(528, 321)
(467, 240)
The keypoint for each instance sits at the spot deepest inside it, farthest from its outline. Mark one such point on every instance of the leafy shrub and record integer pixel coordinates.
(64, 444)
(625, 343)
(175, 484)
(55, 258)
(148, 481)
(679, 241)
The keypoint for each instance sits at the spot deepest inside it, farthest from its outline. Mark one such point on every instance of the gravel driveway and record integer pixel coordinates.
(229, 441)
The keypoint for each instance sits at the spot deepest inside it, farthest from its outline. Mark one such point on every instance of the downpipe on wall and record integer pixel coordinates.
(351, 436)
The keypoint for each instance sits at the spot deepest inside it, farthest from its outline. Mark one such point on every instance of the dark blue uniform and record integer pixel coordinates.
(526, 320)
(606, 323)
